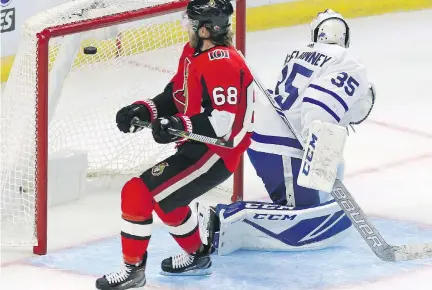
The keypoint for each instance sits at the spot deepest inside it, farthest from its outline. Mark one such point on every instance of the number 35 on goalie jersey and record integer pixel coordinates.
(321, 82)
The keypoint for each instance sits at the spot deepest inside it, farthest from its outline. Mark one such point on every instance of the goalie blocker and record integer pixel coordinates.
(322, 156)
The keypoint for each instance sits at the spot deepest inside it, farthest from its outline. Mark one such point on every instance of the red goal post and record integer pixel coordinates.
(43, 63)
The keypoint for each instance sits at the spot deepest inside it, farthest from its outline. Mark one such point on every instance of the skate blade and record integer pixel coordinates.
(200, 272)
(141, 284)
(136, 285)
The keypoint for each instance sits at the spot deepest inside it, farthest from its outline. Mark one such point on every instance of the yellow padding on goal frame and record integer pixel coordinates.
(258, 18)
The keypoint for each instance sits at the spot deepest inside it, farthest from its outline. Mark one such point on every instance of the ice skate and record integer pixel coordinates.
(130, 276)
(196, 264)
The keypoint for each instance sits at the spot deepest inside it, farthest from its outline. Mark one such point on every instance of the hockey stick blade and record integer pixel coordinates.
(371, 235)
(188, 135)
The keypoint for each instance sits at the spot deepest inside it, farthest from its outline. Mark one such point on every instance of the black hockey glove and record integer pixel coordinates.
(160, 128)
(140, 110)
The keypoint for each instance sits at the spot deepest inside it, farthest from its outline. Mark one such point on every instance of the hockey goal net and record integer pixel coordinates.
(60, 101)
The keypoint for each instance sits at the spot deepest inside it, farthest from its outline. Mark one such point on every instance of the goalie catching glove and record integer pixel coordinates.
(161, 126)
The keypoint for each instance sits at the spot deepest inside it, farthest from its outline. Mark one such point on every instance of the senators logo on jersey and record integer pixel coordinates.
(218, 54)
(158, 169)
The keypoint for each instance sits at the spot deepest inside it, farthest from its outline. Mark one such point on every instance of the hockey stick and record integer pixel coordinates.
(188, 135)
(371, 235)
(345, 200)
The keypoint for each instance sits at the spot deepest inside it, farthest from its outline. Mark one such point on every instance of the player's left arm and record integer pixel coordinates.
(329, 100)
(361, 110)
(336, 95)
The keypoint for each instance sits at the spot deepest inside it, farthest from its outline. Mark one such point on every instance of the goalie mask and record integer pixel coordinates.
(212, 14)
(331, 28)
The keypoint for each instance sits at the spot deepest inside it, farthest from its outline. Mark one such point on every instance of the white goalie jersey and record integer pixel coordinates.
(318, 82)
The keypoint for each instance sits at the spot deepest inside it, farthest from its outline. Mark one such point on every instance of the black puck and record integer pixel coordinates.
(90, 50)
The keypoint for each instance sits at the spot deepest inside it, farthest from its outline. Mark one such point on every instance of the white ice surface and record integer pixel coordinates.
(388, 160)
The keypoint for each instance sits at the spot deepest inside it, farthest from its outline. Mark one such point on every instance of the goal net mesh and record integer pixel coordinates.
(134, 61)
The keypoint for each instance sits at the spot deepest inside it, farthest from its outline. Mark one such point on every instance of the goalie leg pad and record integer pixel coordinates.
(272, 227)
(137, 207)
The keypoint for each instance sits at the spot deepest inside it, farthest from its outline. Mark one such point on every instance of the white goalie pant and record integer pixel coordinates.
(272, 227)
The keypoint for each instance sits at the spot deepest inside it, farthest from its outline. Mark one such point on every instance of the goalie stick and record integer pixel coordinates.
(343, 197)
(188, 135)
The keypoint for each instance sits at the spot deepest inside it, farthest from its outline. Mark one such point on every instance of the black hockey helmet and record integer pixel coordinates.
(212, 14)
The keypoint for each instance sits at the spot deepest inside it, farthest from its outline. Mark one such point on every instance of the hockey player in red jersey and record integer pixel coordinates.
(211, 95)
